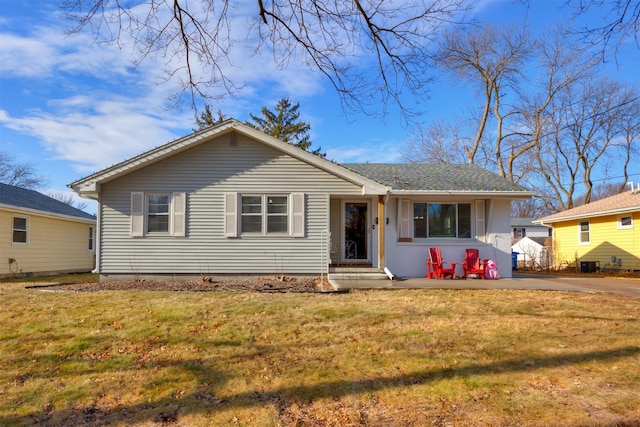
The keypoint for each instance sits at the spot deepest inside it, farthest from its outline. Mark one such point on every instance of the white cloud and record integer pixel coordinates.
(368, 153)
(111, 131)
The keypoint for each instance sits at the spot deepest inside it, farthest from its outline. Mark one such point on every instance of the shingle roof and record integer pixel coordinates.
(620, 203)
(435, 177)
(29, 199)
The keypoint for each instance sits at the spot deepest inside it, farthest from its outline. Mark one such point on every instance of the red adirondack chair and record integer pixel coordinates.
(472, 263)
(435, 265)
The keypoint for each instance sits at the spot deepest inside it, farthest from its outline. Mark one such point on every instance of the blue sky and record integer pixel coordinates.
(71, 108)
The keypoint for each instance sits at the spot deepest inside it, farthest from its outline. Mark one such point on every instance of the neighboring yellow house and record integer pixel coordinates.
(604, 234)
(40, 235)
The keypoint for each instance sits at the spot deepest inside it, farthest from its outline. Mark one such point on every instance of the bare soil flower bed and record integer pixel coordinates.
(206, 284)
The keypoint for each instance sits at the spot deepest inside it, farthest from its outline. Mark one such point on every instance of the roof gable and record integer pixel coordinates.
(32, 200)
(90, 185)
(629, 201)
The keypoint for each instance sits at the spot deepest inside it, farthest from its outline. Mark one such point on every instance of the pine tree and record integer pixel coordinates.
(206, 118)
(285, 125)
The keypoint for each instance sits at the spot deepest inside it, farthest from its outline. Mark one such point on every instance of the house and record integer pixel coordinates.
(531, 252)
(40, 235)
(528, 240)
(604, 233)
(525, 227)
(231, 200)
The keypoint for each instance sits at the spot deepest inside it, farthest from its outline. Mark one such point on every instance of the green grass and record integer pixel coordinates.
(366, 358)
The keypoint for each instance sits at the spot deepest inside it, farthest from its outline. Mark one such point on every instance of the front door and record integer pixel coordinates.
(356, 232)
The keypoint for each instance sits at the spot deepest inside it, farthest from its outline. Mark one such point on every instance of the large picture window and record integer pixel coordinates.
(442, 220)
(265, 214)
(19, 230)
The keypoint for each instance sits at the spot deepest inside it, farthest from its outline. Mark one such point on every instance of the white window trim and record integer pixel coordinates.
(295, 215)
(140, 214)
(264, 214)
(28, 225)
(580, 242)
(479, 219)
(624, 227)
(168, 214)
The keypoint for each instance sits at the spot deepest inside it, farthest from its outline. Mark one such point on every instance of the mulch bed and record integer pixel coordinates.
(261, 284)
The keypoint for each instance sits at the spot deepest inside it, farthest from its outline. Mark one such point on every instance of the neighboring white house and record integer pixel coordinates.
(40, 235)
(531, 252)
(231, 200)
(525, 227)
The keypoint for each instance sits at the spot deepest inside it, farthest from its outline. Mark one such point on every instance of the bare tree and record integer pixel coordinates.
(13, 172)
(367, 50)
(439, 143)
(528, 208)
(67, 199)
(620, 20)
(491, 59)
(588, 130)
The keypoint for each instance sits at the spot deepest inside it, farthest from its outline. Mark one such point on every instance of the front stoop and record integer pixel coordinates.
(356, 273)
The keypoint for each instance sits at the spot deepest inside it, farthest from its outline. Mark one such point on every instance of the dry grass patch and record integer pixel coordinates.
(373, 358)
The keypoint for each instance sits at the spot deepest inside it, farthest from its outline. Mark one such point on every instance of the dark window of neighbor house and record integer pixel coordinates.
(624, 222)
(442, 220)
(20, 224)
(91, 238)
(519, 233)
(584, 232)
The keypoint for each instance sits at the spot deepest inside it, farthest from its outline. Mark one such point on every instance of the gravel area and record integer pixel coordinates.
(261, 284)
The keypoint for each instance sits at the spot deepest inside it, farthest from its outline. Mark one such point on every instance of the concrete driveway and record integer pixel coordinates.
(624, 286)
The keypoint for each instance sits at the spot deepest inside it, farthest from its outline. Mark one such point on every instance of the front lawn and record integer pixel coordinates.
(392, 358)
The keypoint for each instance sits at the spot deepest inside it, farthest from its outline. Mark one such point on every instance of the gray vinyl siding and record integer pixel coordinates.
(205, 173)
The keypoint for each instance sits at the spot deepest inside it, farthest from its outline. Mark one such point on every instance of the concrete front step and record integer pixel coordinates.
(357, 274)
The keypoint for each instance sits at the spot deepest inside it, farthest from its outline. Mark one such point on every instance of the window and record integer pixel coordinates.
(583, 232)
(90, 238)
(20, 230)
(158, 213)
(624, 222)
(265, 214)
(442, 220)
(519, 233)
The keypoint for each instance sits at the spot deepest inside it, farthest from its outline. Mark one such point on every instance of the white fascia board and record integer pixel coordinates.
(484, 194)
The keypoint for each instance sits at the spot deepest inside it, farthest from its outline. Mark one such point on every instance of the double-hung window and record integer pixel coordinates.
(157, 206)
(265, 214)
(583, 233)
(20, 230)
(442, 220)
(158, 214)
